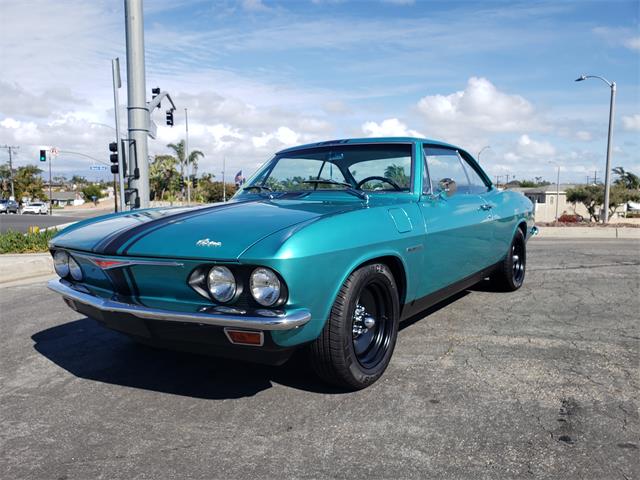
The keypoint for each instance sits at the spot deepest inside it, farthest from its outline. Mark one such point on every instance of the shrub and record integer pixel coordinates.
(567, 218)
(16, 242)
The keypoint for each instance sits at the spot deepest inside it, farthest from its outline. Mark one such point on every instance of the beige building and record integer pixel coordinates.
(548, 200)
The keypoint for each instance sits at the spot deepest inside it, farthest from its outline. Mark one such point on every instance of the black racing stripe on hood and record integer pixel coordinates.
(119, 239)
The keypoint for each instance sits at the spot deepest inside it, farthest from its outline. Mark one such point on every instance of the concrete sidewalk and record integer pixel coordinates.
(19, 268)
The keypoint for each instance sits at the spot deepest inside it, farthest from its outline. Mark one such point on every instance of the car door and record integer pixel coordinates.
(456, 222)
(493, 227)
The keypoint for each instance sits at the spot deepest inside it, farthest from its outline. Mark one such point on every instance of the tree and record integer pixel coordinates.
(209, 191)
(397, 174)
(28, 183)
(193, 160)
(90, 191)
(629, 180)
(592, 197)
(163, 176)
(5, 181)
(79, 180)
(180, 154)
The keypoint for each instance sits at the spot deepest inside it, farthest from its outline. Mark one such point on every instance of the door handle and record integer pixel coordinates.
(486, 206)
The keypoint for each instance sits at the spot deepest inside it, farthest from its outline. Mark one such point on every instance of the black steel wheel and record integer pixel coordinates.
(357, 342)
(510, 274)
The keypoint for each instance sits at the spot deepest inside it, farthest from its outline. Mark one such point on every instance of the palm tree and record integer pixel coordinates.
(162, 175)
(179, 150)
(627, 179)
(397, 174)
(193, 160)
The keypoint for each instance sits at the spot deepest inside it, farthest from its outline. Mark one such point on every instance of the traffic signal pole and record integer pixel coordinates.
(138, 111)
(117, 83)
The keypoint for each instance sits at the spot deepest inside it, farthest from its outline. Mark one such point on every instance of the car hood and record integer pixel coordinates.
(220, 231)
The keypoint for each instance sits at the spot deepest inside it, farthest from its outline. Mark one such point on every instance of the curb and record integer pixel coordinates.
(589, 232)
(23, 266)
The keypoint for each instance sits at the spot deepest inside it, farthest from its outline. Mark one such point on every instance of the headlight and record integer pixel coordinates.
(74, 269)
(264, 286)
(221, 284)
(61, 263)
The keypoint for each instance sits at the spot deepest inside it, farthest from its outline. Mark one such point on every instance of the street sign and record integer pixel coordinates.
(54, 151)
(98, 168)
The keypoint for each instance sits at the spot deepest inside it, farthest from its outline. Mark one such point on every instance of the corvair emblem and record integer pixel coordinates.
(205, 242)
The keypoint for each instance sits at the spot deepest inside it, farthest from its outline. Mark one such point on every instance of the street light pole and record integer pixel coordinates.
(607, 174)
(186, 155)
(557, 186)
(482, 150)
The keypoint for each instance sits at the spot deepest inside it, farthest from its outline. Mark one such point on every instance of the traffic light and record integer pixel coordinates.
(43, 155)
(154, 93)
(170, 118)
(113, 148)
(194, 182)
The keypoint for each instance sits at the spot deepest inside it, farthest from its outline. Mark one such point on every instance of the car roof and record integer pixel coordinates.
(355, 141)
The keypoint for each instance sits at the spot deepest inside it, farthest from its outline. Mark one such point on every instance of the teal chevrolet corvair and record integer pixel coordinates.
(328, 247)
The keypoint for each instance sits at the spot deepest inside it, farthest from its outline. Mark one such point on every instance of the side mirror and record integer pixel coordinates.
(448, 187)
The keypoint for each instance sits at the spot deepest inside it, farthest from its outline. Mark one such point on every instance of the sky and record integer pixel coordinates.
(260, 75)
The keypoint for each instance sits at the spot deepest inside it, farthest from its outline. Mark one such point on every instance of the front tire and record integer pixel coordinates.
(510, 274)
(357, 342)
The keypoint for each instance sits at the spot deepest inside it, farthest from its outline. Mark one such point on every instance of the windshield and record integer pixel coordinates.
(371, 168)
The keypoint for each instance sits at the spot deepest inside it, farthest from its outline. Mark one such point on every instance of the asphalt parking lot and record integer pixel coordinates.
(540, 383)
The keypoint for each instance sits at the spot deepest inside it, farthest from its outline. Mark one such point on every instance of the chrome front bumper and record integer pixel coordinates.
(240, 318)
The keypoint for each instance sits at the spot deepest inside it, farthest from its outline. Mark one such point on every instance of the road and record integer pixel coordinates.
(541, 383)
(21, 223)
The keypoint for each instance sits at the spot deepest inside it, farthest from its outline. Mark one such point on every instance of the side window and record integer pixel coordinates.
(446, 172)
(476, 184)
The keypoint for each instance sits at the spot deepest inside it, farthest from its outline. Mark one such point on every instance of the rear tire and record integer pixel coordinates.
(509, 276)
(357, 342)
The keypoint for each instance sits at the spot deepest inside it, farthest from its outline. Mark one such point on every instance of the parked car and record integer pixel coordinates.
(36, 208)
(8, 206)
(327, 247)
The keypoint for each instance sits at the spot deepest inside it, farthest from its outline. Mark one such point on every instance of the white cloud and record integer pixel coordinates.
(631, 122)
(614, 36)
(391, 127)
(282, 137)
(479, 108)
(583, 135)
(400, 2)
(532, 150)
(254, 6)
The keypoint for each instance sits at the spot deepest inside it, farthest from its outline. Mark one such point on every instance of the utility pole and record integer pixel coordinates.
(186, 155)
(10, 148)
(595, 177)
(224, 185)
(138, 111)
(50, 193)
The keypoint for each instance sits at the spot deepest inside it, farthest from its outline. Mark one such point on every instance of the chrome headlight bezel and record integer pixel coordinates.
(75, 270)
(226, 289)
(61, 263)
(265, 287)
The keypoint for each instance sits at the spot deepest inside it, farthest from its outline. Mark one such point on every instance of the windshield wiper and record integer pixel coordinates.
(258, 187)
(358, 193)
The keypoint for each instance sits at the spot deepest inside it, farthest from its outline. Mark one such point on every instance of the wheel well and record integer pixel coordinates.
(523, 226)
(397, 270)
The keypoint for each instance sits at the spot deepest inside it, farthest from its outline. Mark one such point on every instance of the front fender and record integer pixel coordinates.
(316, 259)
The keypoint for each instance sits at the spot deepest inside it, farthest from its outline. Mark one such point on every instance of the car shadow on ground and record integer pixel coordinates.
(88, 350)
